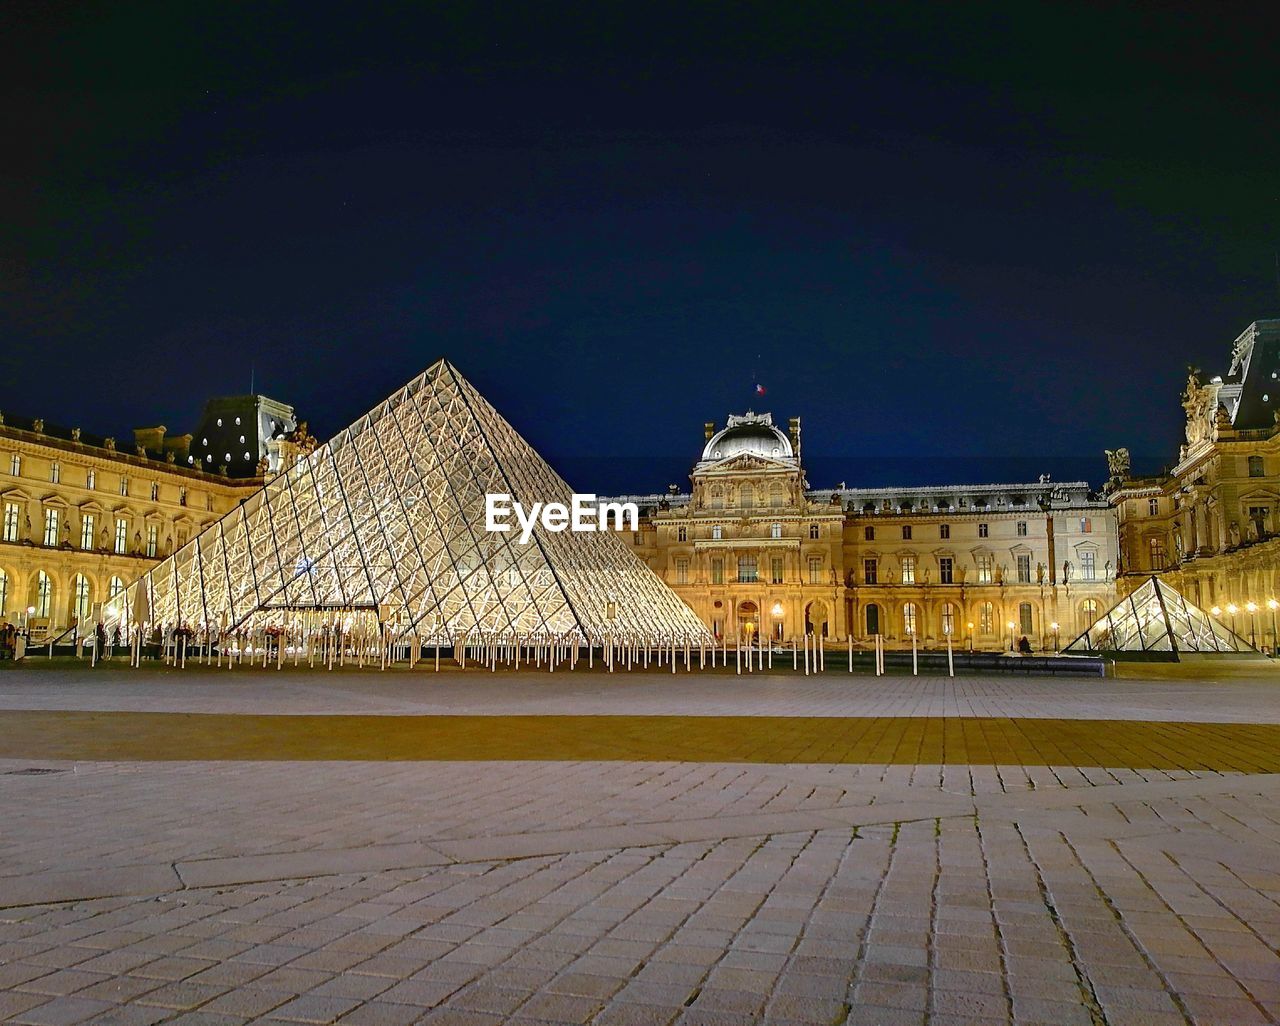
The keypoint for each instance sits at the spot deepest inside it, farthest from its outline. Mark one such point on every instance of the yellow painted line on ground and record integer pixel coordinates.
(875, 740)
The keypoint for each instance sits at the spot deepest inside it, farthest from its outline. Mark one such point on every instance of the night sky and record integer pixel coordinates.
(961, 242)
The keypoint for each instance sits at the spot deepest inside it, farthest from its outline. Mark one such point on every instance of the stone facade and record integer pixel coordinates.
(80, 518)
(1209, 526)
(754, 551)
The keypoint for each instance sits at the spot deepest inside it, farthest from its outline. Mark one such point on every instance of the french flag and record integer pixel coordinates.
(759, 389)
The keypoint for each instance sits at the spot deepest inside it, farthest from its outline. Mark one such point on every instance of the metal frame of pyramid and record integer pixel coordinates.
(1157, 618)
(389, 516)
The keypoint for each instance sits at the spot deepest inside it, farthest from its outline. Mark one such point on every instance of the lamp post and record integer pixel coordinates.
(1232, 609)
(1272, 604)
(1054, 627)
(1252, 608)
(1011, 626)
(970, 626)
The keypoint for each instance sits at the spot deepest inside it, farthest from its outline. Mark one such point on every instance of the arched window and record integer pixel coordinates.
(746, 496)
(717, 532)
(777, 496)
(948, 619)
(80, 596)
(909, 618)
(986, 618)
(44, 594)
(4, 592)
(1026, 623)
(1089, 612)
(873, 620)
(114, 587)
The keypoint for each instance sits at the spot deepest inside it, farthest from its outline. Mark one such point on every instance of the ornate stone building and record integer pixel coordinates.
(755, 551)
(1209, 525)
(81, 517)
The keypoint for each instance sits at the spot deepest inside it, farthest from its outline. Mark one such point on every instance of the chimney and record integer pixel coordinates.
(708, 429)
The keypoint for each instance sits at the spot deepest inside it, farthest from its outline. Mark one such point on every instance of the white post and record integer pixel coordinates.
(737, 650)
(951, 668)
(914, 668)
(851, 652)
(806, 655)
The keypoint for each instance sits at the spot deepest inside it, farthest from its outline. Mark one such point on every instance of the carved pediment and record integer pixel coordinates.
(749, 462)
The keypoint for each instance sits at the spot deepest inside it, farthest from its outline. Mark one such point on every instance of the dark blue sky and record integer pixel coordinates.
(936, 233)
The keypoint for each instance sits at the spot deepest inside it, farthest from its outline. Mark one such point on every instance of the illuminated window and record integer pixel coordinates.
(986, 618)
(682, 571)
(1157, 553)
(747, 570)
(15, 465)
(1024, 568)
(869, 571)
(1088, 566)
(984, 569)
(91, 479)
(11, 521)
(153, 538)
(124, 486)
(775, 530)
(815, 569)
(50, 526)
(155, 492)
(115, 587)
(948, 619)
(909, 619)
(1153, 507)
(122, 536)
(55, 472)
(716, 532)
(44, 594)
(80, 598)
(717, 571)
(908, 569)
(1089, 612)
(86, 531)
(4, 592)
(775, 570)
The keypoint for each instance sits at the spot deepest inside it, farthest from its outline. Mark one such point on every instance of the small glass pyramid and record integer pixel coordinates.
(1156, 618)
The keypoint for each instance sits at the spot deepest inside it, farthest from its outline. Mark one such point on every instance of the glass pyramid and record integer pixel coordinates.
(1156, 618)
(390, 515)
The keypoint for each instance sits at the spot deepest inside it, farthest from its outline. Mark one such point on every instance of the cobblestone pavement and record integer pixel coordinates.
(148, 888)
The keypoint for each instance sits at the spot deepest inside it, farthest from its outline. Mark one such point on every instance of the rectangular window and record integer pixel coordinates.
(868, 534)
(908, 569)
(86, 531)
(11, 521)
(775, 570)
(982, 530)
(682, 571)
(717, 532)
(153, 533)
(91, 479)
(635, 537)
(124, 485)
(55, 472)
(944, 531)
(122, 536)
(986, 618)
(682, 533)
(747, 570)
(1157, 553)
(208, 505)
(984, 569)
(1255, 466)
(945, 569)
(1153, 507)
(814, 532)
(815, 569)
(1024, 568)
(15, 465)
(775, 530)
(869, 571)
(1022, 528)
(1088, 566)
(717, 571)
(1024, 619)
(1258, 517)
(155, 492)
(906, 532)
(1086, 525)
(50, 526)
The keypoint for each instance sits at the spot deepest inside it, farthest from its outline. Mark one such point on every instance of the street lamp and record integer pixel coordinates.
(1011, 626)
(1272, 604)
(1252, 608)
(1232, 608)
(970, 637)
(1054, 627)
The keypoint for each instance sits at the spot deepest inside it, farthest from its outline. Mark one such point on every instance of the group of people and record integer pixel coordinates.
(8, 640)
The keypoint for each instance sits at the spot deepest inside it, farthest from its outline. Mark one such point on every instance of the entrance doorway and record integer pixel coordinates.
(873, 620)
(748, 622)
(815, 618)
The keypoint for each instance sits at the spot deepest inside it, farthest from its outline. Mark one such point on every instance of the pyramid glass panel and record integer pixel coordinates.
(390, 515)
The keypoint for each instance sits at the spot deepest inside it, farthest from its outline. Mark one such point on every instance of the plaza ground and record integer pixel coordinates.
(262, 846)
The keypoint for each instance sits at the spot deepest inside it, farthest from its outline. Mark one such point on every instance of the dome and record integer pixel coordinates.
(751, 433)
